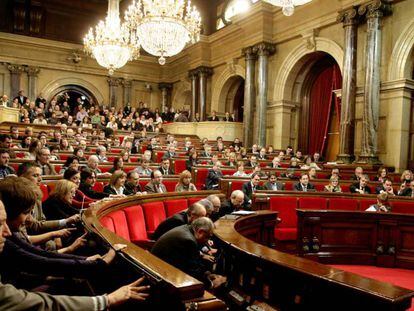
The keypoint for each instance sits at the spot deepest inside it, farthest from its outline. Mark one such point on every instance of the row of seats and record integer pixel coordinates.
(137, 223)
(286, 207)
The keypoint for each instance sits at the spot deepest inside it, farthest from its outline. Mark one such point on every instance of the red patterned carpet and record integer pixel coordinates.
(399, 277)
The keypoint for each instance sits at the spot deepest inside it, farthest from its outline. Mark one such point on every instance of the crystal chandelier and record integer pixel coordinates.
(164, 27)
(288, 6)
(112, 44)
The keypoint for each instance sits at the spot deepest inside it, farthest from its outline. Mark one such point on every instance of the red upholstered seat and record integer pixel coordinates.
(286, 229)
(98, 187)
(319, 187)
(105, 168)
(236, 185)
(159, 155)
(63, 156)
(136, 223)
(201, 175)
(402, 207)
(313, 203)
(57, 167)
(191, 201)
(128, 168)
(45, 191)
(289, 185)
(170, 185)
(365, 203)
(345, 188)
(175, 206)
(179, 165)
(14, 165)
(108, 223)
(228, 172)
(154, 214)
(120, 224)
(343, 204)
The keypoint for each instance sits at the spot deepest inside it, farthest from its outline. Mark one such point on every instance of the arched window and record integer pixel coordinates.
(233, 8)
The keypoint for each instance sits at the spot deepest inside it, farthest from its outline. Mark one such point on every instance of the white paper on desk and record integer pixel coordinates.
(243, 213)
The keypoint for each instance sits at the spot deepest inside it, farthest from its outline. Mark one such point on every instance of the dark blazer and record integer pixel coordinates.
(130, 189)
(355, 186)
(260, 157)
(109, 190)
(189, 164)
(213, 179)
(20, 100)
(298, 187)
(227, 208)
(172, 222)
(269, 186)
(213, 118)
(406, 192)
(151, 188)
(89, 192)
(206, 155)
(54, 208)
(166, 172)
(380, 189)
(229, 119)
(179, 248)
(247, 189)
(169, 155)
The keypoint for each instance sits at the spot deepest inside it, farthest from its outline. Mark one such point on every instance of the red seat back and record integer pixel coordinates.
(154, 213)
(287, 210)
(175, 206)
(108, 223)
(402, 207)
(170, 185)
(98, 186)
(179, 165)
(236, 185)
(120, 224)
(45, 192)
(343, 204)
(136, 223)
(191, 201)
(365, 203)
(313, 203)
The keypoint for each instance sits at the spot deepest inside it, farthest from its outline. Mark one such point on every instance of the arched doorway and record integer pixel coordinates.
(74, 92)
(319, 117)
(232, 97)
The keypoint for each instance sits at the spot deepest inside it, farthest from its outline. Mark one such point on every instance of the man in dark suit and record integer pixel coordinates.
(385, 187)
(262, 154)
(252, 162)
(132, 185)
(170, 152)
(213, 116)
(250, 187)
(165, 167)
(228, 118)
(235, 203)
(180, 247)
(272, 184)
(88, 179)
(408, 191)
(213, 177)
(304, 184)
(21, 98)
(207, 152)
(361, 186)
(358, 173)
(155, 185)
(185, 217)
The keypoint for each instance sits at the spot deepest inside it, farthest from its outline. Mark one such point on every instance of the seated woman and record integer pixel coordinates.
(333, 185)
(78, 152)
(232, 160)
(381, 175)
(59, 203)
(184, 183)
(240, 170)
(116, 183)
(25, 143)
(294, 163)
(71, 162)
(275, 163)
(118, 165)
(125, 155)
(88, 179)
(382, 204)
(34, 147)
(65, 146)
(192, 160)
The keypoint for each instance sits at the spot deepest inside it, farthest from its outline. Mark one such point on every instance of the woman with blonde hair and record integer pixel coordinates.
(116, 183)
(184, 183)
(59, 203)
(333, 185)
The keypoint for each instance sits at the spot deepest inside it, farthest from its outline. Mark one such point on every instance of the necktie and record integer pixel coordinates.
(305, 189)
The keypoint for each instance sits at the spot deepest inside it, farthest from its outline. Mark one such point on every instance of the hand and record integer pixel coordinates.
(63, 233)
(93, 258)
(208, 257)
(217, 280)
(73, 219)
(79, 242)
(402, 186)
(110, 255)
(127, 292)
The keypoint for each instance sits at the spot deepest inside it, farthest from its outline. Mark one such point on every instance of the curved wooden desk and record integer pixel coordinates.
(275, 280)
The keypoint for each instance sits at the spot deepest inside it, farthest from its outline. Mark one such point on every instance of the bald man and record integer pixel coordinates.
(235, 203)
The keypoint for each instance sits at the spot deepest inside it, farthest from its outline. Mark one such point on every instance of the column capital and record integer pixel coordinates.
(14, 68)
(204, 70)
(249, 53)
(164, 85)
(375, 9)
(265, 48)
(126, 83)
(114, 81)
(349, 17)
(193, 74)
(32, 71)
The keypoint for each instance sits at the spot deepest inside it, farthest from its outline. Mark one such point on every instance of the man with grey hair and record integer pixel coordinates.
(93, 163)
(185, 217)
(180, 247)
(101, 153)
(235, 203)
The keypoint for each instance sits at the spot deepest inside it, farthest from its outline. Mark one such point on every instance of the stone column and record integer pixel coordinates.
(194, 103)
(203, 73)
(249, 95)
(264, 50)
(127, 87)
(113, 90)
(32, 73)
(373, 12)
(165, 94)
(15, 78)
(349, 18)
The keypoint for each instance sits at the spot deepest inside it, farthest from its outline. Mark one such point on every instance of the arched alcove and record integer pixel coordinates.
(232, 97)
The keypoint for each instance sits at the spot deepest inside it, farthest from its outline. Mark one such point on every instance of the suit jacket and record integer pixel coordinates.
(169, 155)
(109, 190)
(380, 189)
(152, 188)
(166, 172)
(213, 179)
(130, 189)
(172, 222)
(21, 102)
(260, 157)
(227, 208)
(298, 187)
(406, 192)
(213, 118)
(179, 248)
(89, 192)
(355, 186)
(247, 189)
(269, 186)
(55, 208)
(229, 119)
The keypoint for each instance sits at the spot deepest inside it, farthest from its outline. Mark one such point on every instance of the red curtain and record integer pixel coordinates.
(321, 100)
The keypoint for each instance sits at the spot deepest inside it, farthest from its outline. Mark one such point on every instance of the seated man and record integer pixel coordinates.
(304, 184)
(170, 152)
(385, 187)
(252, 162)
(165, 168)
(361, 186)
(180, 247)
(5, 169)
(382, 204)
(92, 165)
(236, 203)
(250, 187)
(144, 168)
(101, 154)
(43, 159)
(207, 152)
(185, 217)
(155, 185)
(88, 179)
(408, 191)
(213, 177)
(132, 185)
(358, 173)
(213, 116)
(273, 184)
(262, 154)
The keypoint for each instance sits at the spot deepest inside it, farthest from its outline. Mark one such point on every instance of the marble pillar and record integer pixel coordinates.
(113, 91)
(249, 95)
(32, 73)
(193, 75)
(203, 74)
(264, 50)
(165, 94)
(15, 78)
(350, 19)
(373, 12)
